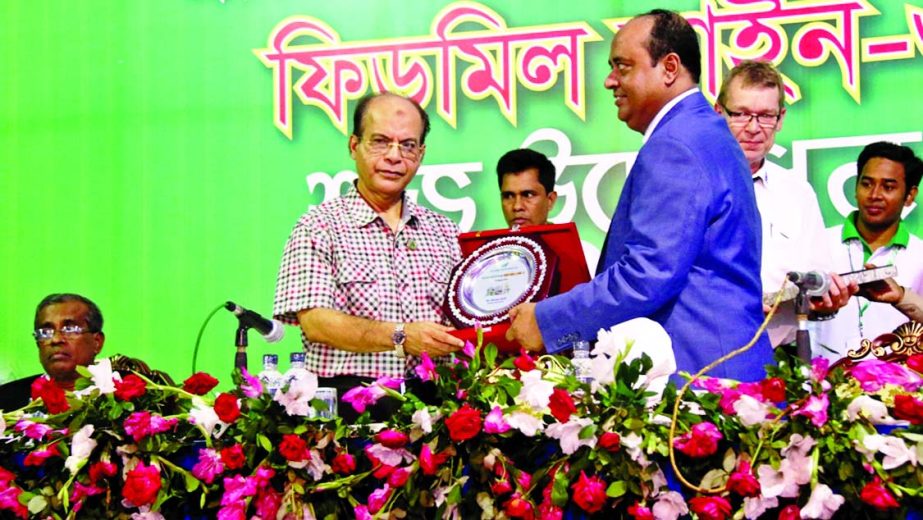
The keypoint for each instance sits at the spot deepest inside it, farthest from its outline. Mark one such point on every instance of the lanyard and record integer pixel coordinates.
(856, 245)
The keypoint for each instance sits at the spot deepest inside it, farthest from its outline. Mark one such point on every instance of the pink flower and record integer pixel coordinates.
(237, 488)
(392, 438)
(468, 349)
(251, 385)
(82, 491)
(494, 422)
(142, 424)
(209, 465)
(9, 499)
(819, 368)
(398, 477)
(361, 511)
(700, 441)
(710, 508)
(362, 397)
(589, 493)
(874, 374)
(669, 505)
(267, 503)
(378, 498)
(639, 512)
(426, 370)
(32, 430)
(815, 409)
(233, 511)
(743, 482)
(430, 462)
(38, 457)
(877, 495)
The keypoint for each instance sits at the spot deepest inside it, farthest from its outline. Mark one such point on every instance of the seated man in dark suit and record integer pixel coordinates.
(68, 332)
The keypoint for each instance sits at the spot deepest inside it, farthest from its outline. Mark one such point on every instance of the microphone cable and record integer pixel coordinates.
(198, 339)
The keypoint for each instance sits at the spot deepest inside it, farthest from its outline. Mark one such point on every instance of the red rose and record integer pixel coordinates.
(878, 496)
(343, 463)
(701, 441)
(639, 512)
(908, 408)
(199, 383)
(561, 405)
(773, 389)
(233, 457)
(589, 493)
(101, 469)
(226, 407)
(142, 484)
(743, 482)
(610, 441)
(294, 448)
(915, 362)
(790, 512)
(524, 361)
(51, 394)
(710, 508)
(518, 507)
(464, 423)
(130, 387)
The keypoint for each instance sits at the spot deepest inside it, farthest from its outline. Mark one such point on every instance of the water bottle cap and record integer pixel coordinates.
(270, 358)
(296, 357)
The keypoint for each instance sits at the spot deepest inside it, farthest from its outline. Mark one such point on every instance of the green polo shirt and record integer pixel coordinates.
(900, 238)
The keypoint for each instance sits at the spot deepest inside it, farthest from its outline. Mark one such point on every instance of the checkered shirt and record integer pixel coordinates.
(343, 256)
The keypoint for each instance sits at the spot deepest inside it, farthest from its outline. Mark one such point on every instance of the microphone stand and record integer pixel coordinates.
(803, 336)
(240, 341)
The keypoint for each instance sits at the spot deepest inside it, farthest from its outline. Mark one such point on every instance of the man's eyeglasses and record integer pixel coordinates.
(69, 331)
(744, 118)
(378, 145)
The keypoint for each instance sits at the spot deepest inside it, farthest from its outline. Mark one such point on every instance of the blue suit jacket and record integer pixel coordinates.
(683, 249)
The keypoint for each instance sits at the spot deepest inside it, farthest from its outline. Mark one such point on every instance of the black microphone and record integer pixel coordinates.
(271, 330)
(814, 283)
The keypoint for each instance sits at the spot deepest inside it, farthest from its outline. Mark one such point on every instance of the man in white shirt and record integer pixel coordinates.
(888, 177)
(752, 101)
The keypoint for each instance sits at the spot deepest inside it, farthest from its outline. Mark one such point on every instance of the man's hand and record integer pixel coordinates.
(836, 296)
(524, 327)
(883, 291)
(432, 338)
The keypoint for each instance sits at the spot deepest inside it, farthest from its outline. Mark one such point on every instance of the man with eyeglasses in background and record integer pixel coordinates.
(68, 333)
(752, 101)
(365, 274)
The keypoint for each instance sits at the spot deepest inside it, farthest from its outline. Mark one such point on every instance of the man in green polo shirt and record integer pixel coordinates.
(888, 177)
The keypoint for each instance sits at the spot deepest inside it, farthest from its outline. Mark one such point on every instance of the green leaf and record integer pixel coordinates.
(587, 431)
(37, 504)
(490, 355)
(616, 489)
(191, 482)
(559, 490)
(264, 442)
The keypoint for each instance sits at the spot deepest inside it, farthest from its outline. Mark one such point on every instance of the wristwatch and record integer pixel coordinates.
(397, 338)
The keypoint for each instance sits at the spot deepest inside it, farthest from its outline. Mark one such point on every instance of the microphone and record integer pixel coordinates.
(271, 330)
(814, 283)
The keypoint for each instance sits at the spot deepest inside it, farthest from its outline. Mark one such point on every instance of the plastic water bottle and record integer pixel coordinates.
(581, 361)
(296, 369)
(270, 375)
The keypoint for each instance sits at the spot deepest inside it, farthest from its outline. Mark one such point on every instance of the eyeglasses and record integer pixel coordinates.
(379, 145)
(69, 331)
(743, 118)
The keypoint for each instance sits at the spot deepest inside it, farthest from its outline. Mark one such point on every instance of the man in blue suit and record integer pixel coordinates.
(683, 247)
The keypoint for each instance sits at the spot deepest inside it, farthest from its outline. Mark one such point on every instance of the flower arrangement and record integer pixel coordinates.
(520, 437)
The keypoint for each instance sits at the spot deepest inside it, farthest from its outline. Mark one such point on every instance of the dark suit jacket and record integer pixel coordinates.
(683, 249)
(16, 394)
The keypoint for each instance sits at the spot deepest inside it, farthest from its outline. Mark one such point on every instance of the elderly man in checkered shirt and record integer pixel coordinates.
(365, 274)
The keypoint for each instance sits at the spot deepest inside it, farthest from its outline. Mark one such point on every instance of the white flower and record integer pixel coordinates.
(297, 400)
(776, 483)
(527, 423)
(423, 420)
(632, 445)
(535, 391)
(82, 445)
(102, 376)
(822, 504)
(894, 449)
(754, 507)
(2, 425)
(203, 415)
(316, 466)
(630, 340)
(866, 406)
(389, 456)
(750, 410)
(669, 506)
(145, 513)
(569, 434)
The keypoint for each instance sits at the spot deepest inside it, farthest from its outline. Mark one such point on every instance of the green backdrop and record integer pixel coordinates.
(145, 163)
